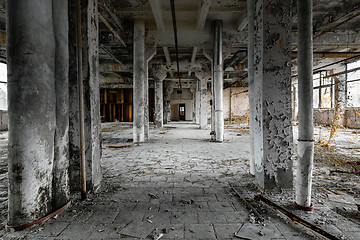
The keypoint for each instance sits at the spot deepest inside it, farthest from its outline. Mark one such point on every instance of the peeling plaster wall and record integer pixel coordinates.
(239, 102)
(326, 116)
(273, 94)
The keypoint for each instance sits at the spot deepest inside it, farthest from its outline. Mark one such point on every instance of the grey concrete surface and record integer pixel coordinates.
(177, 185)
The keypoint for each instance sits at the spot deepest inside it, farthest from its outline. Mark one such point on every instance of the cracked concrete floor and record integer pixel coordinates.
(177, 186)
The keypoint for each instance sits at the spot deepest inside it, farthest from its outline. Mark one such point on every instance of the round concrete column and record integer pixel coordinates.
(139, 81)
(159, 98)
(31, 95)
(305, 93)
(218, 82)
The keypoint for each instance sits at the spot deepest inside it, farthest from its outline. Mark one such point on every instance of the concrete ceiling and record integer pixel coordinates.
(336, 32)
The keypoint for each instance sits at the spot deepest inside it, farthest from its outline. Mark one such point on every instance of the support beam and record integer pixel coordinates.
(168, 60)
(108, 52)
(159, 76)
(116, 34)
(90, 44)
(272, 90)
(193, 58)
(167, 91)
(243, 22)
(197, 102)
(139, 81)
(203, 78)
(204, 10)
(251, 73)
(31, 108)
(218, 81)
(158, 14)
(150, 52)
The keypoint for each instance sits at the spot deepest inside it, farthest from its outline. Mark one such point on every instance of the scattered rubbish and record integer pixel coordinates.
(158, 236)
(239, 134)
(165, 230)
(192, 231)
(257, 231)
(124, 146)
(153, 196)
(148, 220)
(184, 201)
(162, 132)
(250, 207)
(295, 218)
(339, 171)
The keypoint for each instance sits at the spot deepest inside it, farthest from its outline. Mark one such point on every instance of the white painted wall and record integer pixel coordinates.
(239, 102)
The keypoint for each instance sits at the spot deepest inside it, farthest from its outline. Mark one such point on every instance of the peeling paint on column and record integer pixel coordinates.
(273, 113)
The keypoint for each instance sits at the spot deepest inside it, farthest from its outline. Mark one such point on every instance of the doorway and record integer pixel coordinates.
(182, 112)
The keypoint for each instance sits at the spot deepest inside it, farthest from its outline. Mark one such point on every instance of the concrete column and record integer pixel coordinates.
(139, 81)
(74, 121)
(90, 59)
(167, 92)
(272, 89)
(90, 34)
(340, 99)
(212, 107)
(159, 76)
(305, 95)
(251, 72)
(218, 81)
(197, 102)
(150, 52)
(61, 188)
(203, 77)
(31, 108)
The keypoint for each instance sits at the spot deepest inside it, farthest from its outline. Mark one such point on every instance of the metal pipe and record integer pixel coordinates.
(305, 93)
(81, 103)
(218, 81)
(176, 40)
(251, 73)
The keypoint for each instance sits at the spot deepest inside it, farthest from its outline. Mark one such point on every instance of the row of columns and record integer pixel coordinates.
(269, 68)
(44, 119)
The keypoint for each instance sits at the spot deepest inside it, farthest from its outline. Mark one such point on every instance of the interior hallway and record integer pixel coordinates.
(178, 184)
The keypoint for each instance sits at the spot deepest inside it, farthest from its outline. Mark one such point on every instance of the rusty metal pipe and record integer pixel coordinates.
(81, 103)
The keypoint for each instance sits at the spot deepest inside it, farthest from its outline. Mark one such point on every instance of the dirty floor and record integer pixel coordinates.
(180, 185)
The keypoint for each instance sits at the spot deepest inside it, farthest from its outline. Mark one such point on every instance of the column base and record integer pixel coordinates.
(299, 207)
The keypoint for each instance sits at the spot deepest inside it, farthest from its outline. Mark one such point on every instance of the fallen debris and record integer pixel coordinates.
(123, 146)
(250, 207)
(339, 171)
(295, 218)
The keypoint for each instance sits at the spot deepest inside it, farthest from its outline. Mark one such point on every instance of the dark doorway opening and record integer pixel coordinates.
(182, 112)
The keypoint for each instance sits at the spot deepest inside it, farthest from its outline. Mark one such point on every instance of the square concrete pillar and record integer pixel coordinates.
(203, 78)
(273, 141)
(90, 59)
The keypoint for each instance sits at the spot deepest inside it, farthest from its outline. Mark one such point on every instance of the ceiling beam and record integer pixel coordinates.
(204, 10)
(193, 57)
(242, 23)
(116, 34)
(158, 14)
(168, 59)
(108, 52)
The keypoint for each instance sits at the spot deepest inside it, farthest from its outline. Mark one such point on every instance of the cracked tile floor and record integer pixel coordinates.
(178, 186)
